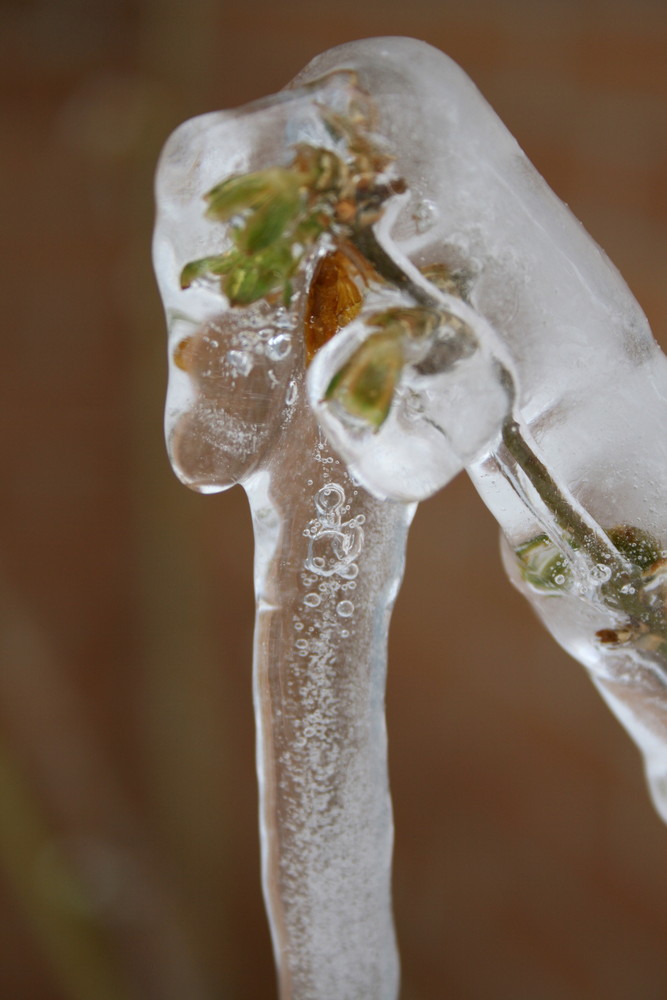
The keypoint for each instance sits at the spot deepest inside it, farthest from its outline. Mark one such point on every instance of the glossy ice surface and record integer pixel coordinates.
(328, 563)
(590, 381)
(553, 341)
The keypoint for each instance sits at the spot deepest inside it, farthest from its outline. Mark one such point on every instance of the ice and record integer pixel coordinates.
(579, 462)
(328, 563)
(377, 219)
(449, 404)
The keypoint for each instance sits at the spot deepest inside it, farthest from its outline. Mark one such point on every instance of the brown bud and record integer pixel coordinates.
(345, 211)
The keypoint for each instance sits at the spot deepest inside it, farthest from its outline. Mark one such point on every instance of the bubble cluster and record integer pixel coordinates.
(334, 544)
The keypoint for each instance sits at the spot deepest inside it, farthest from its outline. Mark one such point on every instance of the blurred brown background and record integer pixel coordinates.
(529, 862)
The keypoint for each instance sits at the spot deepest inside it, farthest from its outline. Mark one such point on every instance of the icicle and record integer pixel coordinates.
(328, 556)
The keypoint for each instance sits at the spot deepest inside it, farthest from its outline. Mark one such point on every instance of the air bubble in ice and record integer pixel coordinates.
(290, 399)
(413, 405)
(312, 600)
(329, 499)
(240, 361)
(601, 573)
(426, 215)
(279, 346)
(345, 609)
(349, 572)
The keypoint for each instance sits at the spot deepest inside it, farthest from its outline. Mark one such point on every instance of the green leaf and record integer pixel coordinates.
(242, 191)
(246, 284)
(257, 276)
(206, 266)
(543, 565)
(416, 322)
(268, 222)
(310, 228)
(365, 386)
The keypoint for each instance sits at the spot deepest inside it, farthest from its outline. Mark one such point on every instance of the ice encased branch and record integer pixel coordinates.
(589, 381)
(328, 563)
(561, 356)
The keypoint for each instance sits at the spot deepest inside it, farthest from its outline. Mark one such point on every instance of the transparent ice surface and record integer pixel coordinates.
(328, 563)
(555, 329)
(538, 373)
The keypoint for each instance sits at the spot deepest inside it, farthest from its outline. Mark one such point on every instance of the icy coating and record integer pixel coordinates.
(573, 464)
(328, 563)
(482, 329)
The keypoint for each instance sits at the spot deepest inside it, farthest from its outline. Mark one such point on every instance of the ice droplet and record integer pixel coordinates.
(345, 609)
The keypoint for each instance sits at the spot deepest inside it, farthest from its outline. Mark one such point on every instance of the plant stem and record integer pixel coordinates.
(366, 242)
(577, 532)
